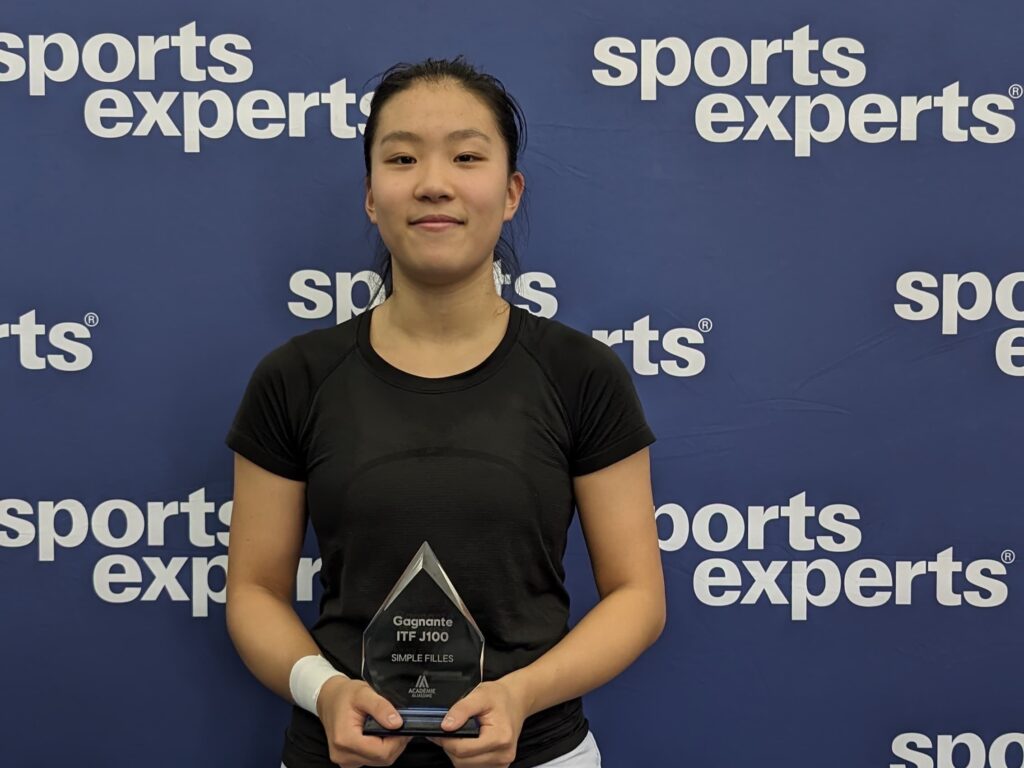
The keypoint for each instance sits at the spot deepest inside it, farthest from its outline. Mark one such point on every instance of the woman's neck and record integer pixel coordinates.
(441, 315)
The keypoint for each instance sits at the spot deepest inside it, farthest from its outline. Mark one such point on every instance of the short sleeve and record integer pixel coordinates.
(609, 420)
(268, 423)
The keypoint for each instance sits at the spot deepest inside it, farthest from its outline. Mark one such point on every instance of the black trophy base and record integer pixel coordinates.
(422, 721)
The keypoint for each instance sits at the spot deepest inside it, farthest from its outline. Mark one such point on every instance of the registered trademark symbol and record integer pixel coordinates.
(1008, 556)
(92, 319)
(705, 324)
(1016, 90)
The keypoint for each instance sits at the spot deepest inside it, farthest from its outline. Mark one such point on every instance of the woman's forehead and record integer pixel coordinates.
(435, 111)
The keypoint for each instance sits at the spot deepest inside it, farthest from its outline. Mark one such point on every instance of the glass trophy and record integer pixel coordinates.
(422, 651)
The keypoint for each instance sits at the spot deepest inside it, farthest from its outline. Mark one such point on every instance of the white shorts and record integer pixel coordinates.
(586, 755)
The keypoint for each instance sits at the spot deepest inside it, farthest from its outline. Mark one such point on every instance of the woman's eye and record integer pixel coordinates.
(397, 160)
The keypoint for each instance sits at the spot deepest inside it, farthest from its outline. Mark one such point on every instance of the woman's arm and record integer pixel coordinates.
(616, 508)
(267, 527)
(268, 523)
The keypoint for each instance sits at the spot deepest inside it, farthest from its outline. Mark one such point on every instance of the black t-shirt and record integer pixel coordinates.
(480, 464)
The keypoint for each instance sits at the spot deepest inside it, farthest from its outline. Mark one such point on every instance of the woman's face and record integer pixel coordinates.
(419, 169)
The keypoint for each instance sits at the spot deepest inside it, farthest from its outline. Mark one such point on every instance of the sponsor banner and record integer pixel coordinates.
(797, 230)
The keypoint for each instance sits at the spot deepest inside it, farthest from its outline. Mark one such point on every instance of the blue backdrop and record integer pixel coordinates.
(799, 225)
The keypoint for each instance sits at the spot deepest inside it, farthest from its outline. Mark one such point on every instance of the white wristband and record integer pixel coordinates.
(307, 678)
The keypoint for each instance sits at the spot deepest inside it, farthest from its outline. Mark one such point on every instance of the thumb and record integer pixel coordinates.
(383, 711)
(462, 710)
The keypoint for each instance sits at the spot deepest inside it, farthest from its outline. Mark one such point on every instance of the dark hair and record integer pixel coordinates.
(507, 115)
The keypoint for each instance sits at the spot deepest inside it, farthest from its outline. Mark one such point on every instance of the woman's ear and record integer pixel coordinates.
(516, 185)
(368, 203)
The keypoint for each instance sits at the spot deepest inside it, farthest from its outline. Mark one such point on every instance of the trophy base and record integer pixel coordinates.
(425, 721)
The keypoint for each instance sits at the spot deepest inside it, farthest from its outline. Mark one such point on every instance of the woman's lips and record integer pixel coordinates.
(437, 226)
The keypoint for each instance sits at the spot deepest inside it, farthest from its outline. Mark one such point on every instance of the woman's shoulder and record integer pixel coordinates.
(313, 354)
(562, 348)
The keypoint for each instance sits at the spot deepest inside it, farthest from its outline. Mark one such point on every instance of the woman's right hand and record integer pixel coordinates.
(343, 705)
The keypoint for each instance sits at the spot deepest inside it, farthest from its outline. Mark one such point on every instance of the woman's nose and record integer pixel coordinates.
(433, 180)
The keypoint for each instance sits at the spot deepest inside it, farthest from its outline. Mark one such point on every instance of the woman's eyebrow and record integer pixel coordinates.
(464, 133)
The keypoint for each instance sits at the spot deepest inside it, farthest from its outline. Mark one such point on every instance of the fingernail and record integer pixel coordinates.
(446, 721)
(393, 719)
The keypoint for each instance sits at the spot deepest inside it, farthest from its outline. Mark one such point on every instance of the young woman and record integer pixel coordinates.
(443, 414)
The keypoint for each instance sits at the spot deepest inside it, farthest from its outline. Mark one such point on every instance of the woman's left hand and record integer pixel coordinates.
(501, 710)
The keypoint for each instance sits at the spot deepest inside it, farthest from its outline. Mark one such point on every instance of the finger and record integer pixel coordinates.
(473, 704)
(367, 750)
(491, 739)
(379, 708)
(397, 745)
(373, 750)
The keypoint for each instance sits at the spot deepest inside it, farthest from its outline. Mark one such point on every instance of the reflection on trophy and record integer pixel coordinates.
(422, 651)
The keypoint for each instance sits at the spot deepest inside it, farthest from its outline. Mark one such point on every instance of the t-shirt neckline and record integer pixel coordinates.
(467, 378)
